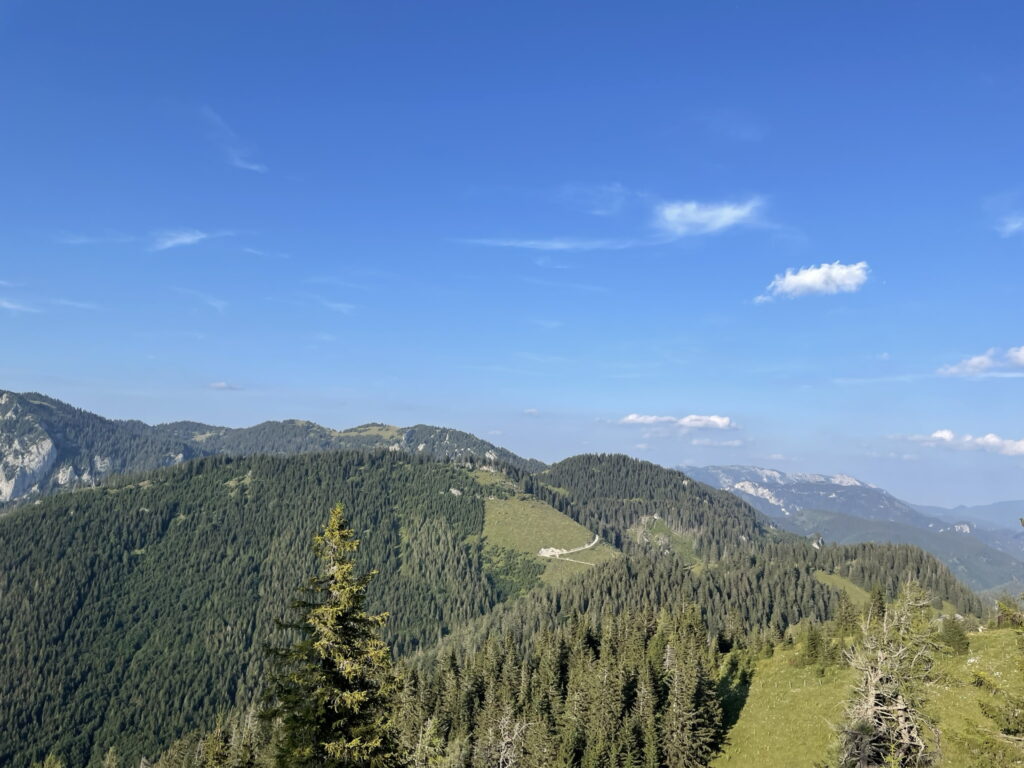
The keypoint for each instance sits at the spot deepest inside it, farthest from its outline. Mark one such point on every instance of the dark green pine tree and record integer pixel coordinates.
(846, 616)
(332, 689)
(953, 635)
(692, 717)
(876, 604)
(813, 650)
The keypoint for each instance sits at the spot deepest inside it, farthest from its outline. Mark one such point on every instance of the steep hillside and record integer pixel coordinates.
(47, 445)
(170, 583)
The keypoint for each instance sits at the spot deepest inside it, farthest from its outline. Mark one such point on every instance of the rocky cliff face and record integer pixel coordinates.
(25, 465)
(47, 445)
(27, 453)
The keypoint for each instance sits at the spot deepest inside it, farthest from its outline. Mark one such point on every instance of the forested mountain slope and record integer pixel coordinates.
(47, 445)
(170, 583)
(142, 611)
(845, 510)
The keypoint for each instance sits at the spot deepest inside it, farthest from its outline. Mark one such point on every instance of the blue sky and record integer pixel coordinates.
(564, 226)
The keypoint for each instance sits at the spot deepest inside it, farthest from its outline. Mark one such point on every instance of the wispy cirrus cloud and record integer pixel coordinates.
(75, 304)
(175, 238)
(825, 279)
(1011, 224)
(670, 220)
(210, 301)
(990, 364)
(692, 421)
(160, 240)
(336, 306)
(15, 308)
(553, 244)
(100, 239)
(224, 386)
(990, 442)
(235, 151)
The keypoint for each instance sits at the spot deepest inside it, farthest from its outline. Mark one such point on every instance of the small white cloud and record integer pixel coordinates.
(693, 421)
(1011, 225)
(989, 364)
(13, 306)
(971, 366)
(224, 386)
(688, 217)
(991, 442)
(825, 279)
(531, 412)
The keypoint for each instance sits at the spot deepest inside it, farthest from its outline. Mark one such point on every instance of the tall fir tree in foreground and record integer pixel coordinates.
(332, 690)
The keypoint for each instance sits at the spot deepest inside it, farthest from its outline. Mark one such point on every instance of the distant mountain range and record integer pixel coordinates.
(842, 509)
(1000, 515)
(46, 445)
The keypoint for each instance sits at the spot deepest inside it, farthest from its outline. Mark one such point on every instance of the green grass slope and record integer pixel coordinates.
(790, 713)
(525, 525)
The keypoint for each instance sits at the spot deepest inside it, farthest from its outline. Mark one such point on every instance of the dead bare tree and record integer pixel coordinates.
(884, 726)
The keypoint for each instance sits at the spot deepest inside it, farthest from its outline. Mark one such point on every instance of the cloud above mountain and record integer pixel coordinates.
(991, 442)
(692, 421)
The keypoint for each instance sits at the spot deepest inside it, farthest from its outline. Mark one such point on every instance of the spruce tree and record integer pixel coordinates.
(953, 635)
(332, 689)
(692, 716)
(876, 603)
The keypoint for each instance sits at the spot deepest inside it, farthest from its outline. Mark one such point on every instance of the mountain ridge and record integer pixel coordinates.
(48, 445)
(843, 509)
